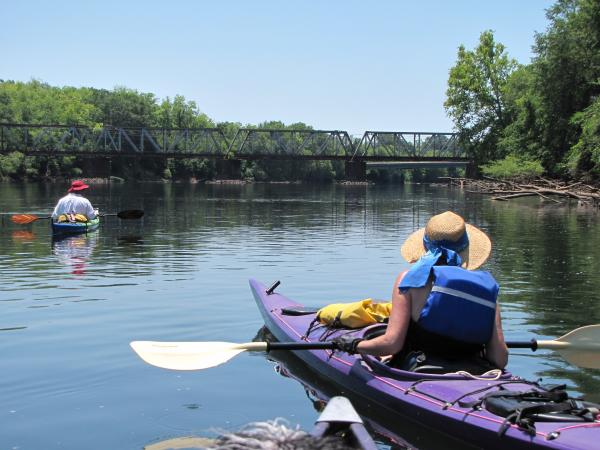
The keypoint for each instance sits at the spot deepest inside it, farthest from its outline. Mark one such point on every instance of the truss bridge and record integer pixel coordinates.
(378, 149)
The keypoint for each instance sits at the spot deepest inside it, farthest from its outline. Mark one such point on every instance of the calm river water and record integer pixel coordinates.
(68, 309)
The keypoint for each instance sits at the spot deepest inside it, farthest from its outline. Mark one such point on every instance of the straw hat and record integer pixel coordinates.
(450, 227)
(77, 185)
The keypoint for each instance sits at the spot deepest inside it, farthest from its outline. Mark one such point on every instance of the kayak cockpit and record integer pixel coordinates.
(437, 368)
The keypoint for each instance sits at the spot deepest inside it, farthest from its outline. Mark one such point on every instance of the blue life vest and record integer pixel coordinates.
(461, 305)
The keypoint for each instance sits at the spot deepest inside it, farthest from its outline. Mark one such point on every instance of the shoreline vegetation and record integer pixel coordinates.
(516, 121)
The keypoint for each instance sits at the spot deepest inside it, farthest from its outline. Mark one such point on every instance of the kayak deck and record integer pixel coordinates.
(435, 399)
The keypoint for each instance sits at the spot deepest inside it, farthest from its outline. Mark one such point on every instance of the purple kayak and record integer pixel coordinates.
(447, 403)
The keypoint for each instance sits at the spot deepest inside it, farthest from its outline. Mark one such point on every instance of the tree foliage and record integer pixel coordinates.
(566, 75)
(548, 109)
(513, 167)
(36, 102)
(476, 94)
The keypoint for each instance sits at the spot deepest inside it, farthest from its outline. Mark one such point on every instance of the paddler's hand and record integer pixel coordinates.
(347, 343)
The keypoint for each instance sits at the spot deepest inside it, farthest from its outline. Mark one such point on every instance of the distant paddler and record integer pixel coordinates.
(74, 207)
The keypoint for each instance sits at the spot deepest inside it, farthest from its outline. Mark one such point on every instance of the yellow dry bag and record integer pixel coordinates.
(73, 218)
(356, 314)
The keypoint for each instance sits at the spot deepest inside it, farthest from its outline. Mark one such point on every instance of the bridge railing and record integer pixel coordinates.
(413, 144)
(255, 143)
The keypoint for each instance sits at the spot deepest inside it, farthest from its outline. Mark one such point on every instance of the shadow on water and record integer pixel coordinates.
(396, 432)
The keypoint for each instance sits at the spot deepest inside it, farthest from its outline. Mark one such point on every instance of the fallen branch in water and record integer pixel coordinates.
(502, 190)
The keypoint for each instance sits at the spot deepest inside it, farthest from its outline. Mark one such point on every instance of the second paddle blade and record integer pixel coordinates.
(185, 355)
(22, 219)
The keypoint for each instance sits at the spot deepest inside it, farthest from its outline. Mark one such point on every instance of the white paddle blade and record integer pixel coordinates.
(186, 355)
(589, 359)
(584, 337)
(580, 347)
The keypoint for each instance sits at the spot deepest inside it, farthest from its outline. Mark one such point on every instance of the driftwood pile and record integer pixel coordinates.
(551, 190)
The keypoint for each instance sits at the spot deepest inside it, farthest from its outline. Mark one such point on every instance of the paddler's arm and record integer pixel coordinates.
(90, 212)
(392, 341)
(496, 351)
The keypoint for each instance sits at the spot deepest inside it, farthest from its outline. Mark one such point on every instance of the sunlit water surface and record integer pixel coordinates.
(69, 308)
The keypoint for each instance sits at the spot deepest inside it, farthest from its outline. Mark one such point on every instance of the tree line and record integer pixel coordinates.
(36, 102)
(542, 117)
(514, 119)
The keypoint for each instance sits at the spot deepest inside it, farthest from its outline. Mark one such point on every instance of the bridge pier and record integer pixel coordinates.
(356, 170)
(229, 169)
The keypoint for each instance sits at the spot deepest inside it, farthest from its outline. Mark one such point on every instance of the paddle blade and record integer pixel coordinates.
(23, 219)
(588, 336)
(580, 347)
(187, 355)
(588, 359)
(130, 214)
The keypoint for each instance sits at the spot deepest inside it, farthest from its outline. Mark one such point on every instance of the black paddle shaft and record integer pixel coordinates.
(300, 346)
(532, 344)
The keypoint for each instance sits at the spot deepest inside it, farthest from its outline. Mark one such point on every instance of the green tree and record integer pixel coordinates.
(476, 96)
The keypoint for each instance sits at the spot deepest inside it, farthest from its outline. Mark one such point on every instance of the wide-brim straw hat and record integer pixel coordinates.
(450, 227)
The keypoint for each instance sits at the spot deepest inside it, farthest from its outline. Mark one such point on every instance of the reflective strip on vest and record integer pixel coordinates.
(464, 296)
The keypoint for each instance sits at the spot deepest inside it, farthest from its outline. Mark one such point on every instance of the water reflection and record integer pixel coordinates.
(23, 236)
(130, 240)
(74, 251)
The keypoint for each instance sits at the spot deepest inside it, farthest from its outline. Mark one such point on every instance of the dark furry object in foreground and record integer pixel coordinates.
(273, 435)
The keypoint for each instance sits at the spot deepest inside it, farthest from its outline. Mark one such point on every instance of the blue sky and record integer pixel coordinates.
(345, 65)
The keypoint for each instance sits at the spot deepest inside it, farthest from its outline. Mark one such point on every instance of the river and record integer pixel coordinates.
(69, 308)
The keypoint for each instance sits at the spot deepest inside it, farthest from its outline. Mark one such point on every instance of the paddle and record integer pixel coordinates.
(203, 355)
(580, 347)
(24, 219)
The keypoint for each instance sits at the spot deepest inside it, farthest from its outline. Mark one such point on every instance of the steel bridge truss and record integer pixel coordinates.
(256, 143)
(391, 145)
(247, 143)
(75, 140)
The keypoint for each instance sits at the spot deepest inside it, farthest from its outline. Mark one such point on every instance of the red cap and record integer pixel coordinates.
(78, 185)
